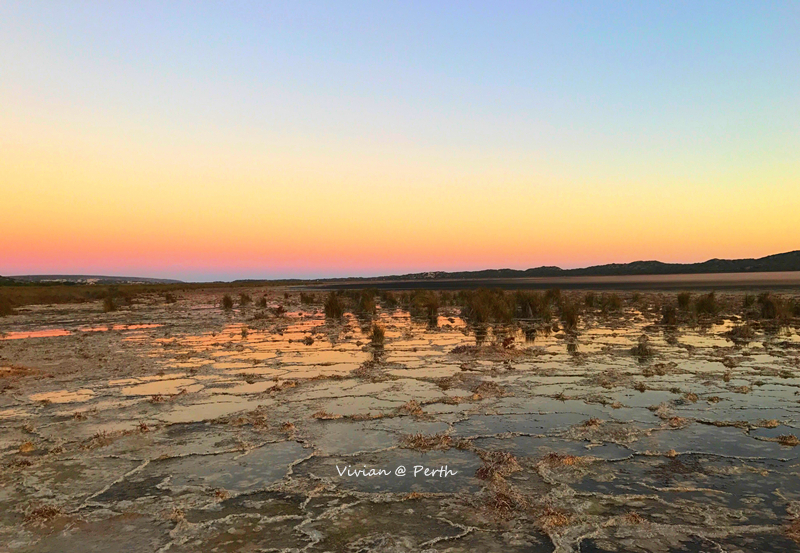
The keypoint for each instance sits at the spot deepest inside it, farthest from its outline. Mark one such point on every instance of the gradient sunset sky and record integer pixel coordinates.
(206, 141)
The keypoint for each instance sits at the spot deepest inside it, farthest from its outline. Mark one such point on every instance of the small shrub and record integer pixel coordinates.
(245, 299)
(642, 350)
(741, 334)
(170, 298)
(377, 335)
(707, 304)
(6, 307)
(108, 304)
(669, 315)
(425, 303)
(307, 299)
(553, 295)
(749, 300)
(262, 302)
(569, 315)
(333, 306)
(610, 303)
(482, 306)
(774, 308)
(227, 302)
(532, 305)
(590, 299)
(365, 304)
(388, 299)
(684, 301)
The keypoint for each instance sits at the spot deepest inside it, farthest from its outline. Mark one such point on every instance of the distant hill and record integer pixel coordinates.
(789, 261)
(83, 279)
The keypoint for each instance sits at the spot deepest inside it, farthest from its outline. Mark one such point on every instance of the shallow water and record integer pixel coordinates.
(184, 427)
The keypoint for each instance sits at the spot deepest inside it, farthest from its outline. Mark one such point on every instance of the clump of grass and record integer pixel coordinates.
(483, 306)
(423, 442)
(489, 389)
(388, 299)
(775, 308)
(560, 460)
(748, 301)
(169, 297)
(307, 299)
(684, 301)
(669, 315)
(741, 334)
(377, 335)
(642, 349)
(590, 299)
(363, 302)
(532, 305)
(497, 464)
(245, 299)
(569, 315)
(39, 515)
(262, 302)
(108, 304)
(6, 307)
(788, 440)
(325, 416)
(411, 408)
(553, 295)
(227, 302)
(425, 303)
(707, 304)
(610, 303)
(333, 306)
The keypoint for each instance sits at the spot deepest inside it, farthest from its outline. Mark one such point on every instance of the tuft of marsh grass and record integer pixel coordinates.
(707, 304)
(569, 315)
(425, 303)
(388, 299)
(6, 307)
(307, 299)
(334, 309)
(741, 334)
(377, 335)
(684, 301)
(423, 442)
(483, 306)
(532, 305)
(642, 349)
(227, 302)
(610, 303)
(669, 315)
(108, 304)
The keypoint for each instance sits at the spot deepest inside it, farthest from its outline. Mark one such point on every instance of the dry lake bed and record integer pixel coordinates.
(184, 426)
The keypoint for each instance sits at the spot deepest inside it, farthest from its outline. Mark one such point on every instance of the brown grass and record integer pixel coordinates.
(497, 463)
(41, 514)
(788, 440)
(423, 442)
(558, 460)
(411, 408)
(325, 416)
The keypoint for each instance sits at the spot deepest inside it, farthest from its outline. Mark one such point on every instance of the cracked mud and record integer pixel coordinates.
(182, 427)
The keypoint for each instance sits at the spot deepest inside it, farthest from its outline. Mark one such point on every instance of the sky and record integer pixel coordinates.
(222, 140)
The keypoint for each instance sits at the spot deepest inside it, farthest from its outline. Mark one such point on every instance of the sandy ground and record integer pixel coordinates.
(182, 427)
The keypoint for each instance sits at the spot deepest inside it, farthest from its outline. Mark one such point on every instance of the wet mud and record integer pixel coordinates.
(185, 427)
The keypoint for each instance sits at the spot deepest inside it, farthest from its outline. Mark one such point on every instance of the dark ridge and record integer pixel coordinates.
(789, 261)
(84, 279)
